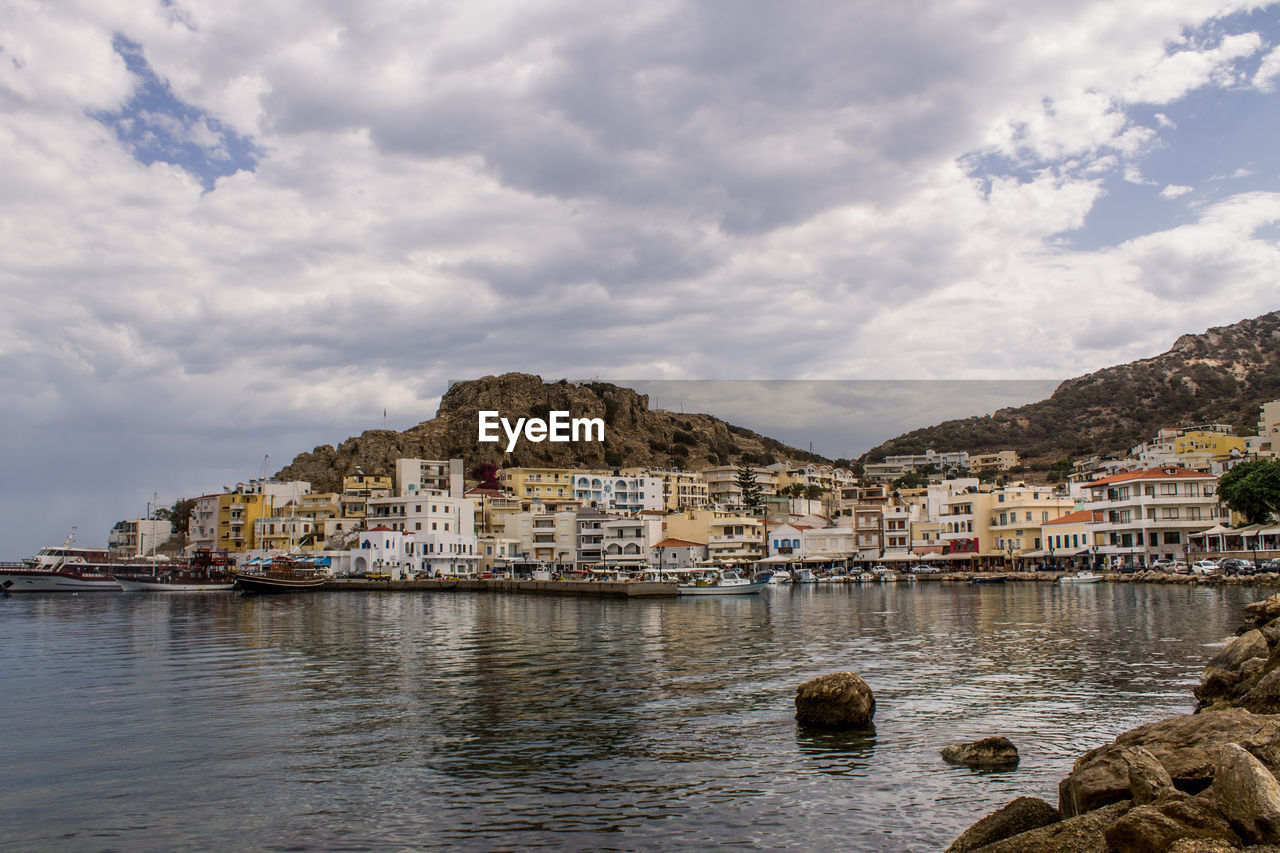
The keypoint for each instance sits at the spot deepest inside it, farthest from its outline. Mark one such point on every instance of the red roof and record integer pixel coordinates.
(676, 543)
(1076, 517)
(1148, 474)
(381, 529)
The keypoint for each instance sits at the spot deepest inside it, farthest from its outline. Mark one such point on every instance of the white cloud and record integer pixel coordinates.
(1174, 191)
(672, 189)
(1268, 71)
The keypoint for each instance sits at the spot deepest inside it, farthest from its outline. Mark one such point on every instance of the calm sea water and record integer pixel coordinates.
(340, 721)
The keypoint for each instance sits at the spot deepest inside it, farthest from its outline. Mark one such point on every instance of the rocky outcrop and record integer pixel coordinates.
(991, 753)
(1184, 746)
(635, 436)
(1153, 828)
(1246, 674)
(840, 700)
(1081, 834)
(1022, 815)
(1248, 795)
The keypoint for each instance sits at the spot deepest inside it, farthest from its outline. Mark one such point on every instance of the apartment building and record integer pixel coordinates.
(1149, 514)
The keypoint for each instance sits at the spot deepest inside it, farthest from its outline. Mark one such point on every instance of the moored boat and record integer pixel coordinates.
(278, 575)
(65, 568)
(725, 583)
(1080, 577)
(205, 573)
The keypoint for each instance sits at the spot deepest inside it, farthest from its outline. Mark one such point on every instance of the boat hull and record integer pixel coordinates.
(155, 585)
(270, 585)
(735, 589)
(36, 581)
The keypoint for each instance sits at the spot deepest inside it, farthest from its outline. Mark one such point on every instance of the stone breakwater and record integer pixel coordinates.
(1265, 579)
(1204, 781)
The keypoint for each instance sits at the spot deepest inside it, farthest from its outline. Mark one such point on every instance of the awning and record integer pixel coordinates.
(778, 558)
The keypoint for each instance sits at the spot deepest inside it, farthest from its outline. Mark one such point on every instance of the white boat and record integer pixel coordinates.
(206, 572)
(1080, 577)
(65, 568)
(169, 583)
(804, 576)
(725, 583)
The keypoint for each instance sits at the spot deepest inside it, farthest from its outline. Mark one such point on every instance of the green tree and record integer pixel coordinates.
(813, 491)
(752, 493)
(179, 514)
(1252, 489)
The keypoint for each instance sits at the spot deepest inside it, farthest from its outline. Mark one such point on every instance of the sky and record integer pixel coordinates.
(235, 230)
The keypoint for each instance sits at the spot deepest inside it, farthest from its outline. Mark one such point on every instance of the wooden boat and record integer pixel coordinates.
(988, 579)
(278, 575)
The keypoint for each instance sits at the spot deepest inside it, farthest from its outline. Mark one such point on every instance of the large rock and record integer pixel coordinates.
(1021, 815)
(1259, 613)
(1248, 794)
(1183, 746)
(1271, 633)
(1251, 644)
(840, 700)
(988, 753)
(1152, 829)
(1264, 696)
(1149, 782)
(1081, 834)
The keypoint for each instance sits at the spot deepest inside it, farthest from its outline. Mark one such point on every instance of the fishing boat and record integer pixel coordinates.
(988, 579)
(1080, 577)
(723, 583)
(278, 575)
(206, 572)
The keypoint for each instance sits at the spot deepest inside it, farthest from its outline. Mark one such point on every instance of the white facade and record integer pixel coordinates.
(1149, 515)
(626, 541)
(137, 538)
(414, 476)
(202, 526)
(442, 527)
(617, 493)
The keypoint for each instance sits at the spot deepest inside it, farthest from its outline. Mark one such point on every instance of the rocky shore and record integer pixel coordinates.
(1204, 781)
(1263, 580)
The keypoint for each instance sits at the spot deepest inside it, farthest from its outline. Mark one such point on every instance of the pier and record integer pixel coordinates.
(592, 589)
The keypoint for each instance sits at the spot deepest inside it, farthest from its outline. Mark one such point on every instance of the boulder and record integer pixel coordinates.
(988, 753)
(1183, 746)
(1251, 644)
(840, 700)
(1247, 794)
(1203, 845)
(1081, 834)
(1149, 782)
(1152, 829)
(1260, 613)
(1271, 633)
(1264, 696)
(1021, 815)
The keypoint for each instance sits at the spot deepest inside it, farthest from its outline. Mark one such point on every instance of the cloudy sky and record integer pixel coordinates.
(234, 229)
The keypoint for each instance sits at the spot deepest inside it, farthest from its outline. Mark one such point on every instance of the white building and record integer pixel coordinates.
(1149, 514)
(442, 527)
(627, 541)
(894, 467)
(673, 553)
(414, 476)
(202, 526)
(404, 555)
(137, 538)
(617, 493)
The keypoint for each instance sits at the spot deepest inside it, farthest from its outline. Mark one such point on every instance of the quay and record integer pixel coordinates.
(591, 589)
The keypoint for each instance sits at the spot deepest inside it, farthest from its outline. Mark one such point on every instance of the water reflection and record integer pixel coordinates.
(490, 721)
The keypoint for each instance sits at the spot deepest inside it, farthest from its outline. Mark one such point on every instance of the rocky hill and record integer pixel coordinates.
(1221, 376)
(634, 435)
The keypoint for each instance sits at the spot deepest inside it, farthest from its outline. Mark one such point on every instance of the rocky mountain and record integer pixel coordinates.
(1222, 376)
(635, 436)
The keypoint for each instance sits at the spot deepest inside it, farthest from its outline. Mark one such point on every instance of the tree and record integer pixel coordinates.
(814, 492)
(486, 473)
(1252, 489)
(752, 493)
(179, 515)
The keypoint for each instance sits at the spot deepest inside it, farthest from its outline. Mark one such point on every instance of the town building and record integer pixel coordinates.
(673, 553)
(617, 492)
(1149, 514)
(537, 482)
(138, 537)
(429, 475)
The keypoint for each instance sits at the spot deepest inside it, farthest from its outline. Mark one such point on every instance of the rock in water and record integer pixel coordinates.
(1247, 794)
(1019, 816)
(988, 753)
(840, 700)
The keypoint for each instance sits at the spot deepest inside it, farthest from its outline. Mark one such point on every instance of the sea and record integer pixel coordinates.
(491, 721)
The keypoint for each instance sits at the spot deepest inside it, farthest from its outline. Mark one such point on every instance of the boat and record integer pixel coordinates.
(204, 573)
(724, 583)
(66, 568)
(988, 579)
(803, 576)
(1080, 577)
(278, 575)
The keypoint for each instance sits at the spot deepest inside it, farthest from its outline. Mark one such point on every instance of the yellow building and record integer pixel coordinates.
(1016, 515)
(299, 522)
(729, 536)
(237, 512)
(357, 489)
(1067, 539)
(681, 490)
(537, 482)
(1211, 443)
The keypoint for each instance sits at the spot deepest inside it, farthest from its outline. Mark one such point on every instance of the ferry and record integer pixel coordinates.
(66, 568)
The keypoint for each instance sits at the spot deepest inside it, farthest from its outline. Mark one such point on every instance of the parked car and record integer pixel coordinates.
(924, 570)
(1204, 567)
(1126, 568)
(1162, 565)
(1271, 566)
(1235, 566)
(1180, 568)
